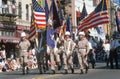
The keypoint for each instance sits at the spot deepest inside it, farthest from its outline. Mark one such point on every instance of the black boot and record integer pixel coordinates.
(53, 71)
(72, 70)
(59, 67)
(27, 70)
(66, 71)
(82, 72)
(86, 69)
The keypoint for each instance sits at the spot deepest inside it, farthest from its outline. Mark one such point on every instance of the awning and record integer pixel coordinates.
(10, 39)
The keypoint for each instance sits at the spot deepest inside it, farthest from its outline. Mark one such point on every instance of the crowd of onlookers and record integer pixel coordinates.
(13, 63)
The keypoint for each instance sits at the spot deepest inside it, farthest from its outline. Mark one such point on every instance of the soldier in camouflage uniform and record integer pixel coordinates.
(83, 48)
(23, 46)
(67, 55)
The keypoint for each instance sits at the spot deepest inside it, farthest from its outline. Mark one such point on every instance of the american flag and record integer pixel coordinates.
(95, 18)
(39, 15)
(84, 12)
(38, 19)
(32, 29)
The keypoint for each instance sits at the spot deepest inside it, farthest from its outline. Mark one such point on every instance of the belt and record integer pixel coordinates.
(24, 50)
(82, 48)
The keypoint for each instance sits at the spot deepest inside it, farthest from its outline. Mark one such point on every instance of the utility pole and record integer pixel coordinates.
(112, 13)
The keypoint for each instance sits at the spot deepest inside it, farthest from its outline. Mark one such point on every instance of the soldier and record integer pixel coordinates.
(56, 50)
(51, 43)
(24, 45)
(67, 55)
(83, 48)
(114, 43)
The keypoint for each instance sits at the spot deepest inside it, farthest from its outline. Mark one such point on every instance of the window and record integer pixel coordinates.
(13, 7)
(13, 1)
(4, 1)
(6, 7)
(27, 12)
(6, 33)
(11, 34)
(0, 33)
(69, 1)
(3, 33)
(20, 10)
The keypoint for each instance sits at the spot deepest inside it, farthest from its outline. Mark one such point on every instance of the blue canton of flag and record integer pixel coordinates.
(97, 17)
(84, 13)
(37, 7)
(46, 10)
(56, 19)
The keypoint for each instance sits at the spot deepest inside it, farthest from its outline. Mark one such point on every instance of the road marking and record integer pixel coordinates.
(47, 76)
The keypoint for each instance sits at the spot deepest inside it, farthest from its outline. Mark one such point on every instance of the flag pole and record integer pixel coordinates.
(112, 23)
(108, 24)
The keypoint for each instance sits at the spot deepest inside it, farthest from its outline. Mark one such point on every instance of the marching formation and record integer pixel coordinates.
(61, 53)
(67, 52)
(57, 46)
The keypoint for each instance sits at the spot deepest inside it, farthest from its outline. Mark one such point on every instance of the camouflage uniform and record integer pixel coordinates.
(83, 47)
(57, 51)
(67, 55)
(24, 45)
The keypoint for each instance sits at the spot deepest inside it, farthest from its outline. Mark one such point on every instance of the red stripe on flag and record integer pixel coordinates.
(93, 20)
(94, 15)
(87, 26)
(39, 15)
(40, 20)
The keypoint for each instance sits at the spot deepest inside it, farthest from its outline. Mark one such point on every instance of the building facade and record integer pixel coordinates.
(15, 17)
(7, 21)
(24, 12)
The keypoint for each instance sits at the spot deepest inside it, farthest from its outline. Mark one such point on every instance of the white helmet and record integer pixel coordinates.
(23, 34)
(67, 33)
(81, 33)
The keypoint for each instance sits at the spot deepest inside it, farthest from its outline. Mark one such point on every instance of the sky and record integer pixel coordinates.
(117, 1)
(88, 3)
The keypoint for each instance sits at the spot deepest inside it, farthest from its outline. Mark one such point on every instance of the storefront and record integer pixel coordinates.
(10, 44)
(7, 33)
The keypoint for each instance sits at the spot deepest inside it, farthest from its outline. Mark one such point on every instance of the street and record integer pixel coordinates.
(100, 72)
(42, 39)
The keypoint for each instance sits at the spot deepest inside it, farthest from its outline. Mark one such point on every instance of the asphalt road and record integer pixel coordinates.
(100, 72)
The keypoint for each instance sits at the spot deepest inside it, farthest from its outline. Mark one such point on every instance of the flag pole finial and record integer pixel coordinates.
(83, 1)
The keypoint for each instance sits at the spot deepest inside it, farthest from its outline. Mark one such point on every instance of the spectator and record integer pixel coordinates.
(113, 54)
(3, 52)
(106, 47)
(12, 53)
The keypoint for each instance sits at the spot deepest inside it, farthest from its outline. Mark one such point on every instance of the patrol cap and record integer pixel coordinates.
(67, 33)
(81, 33)
(23, 34)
